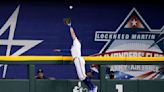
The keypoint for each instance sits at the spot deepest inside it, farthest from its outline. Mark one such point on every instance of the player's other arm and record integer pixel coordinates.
(61, 50)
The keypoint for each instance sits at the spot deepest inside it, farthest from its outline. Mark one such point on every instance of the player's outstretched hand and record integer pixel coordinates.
(57, 50)
(67, 21)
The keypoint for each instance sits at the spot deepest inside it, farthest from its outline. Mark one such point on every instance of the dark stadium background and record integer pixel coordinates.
(42, 20)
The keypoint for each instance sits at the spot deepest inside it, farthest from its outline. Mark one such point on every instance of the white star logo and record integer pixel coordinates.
(134, 22)
(27, 44)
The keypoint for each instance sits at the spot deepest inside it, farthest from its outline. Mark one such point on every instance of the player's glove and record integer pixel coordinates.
(67, 21)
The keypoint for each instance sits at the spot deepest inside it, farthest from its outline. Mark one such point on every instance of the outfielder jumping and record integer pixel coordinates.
(78, 59)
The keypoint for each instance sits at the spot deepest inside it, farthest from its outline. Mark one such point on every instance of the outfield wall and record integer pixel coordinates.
(105, 85)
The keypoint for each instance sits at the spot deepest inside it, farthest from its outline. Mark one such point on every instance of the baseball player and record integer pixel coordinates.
(78, 59)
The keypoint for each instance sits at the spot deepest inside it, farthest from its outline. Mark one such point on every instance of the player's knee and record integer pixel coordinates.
(82, 78)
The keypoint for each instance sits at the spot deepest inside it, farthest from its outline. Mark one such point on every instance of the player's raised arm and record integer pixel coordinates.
(73, 35)
(67, 21)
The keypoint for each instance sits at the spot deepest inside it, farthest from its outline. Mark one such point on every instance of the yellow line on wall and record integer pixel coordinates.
(29, 58)
(87, 58)
(125, 58)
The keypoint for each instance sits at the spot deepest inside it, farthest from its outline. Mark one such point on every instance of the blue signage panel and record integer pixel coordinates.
(105, 30)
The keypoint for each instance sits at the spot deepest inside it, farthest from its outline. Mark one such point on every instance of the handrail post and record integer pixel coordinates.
(102, 78)
(32, 77)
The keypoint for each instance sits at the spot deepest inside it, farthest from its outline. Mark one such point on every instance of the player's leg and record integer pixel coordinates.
(80, 63)
(87, 80)
(79, 69)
